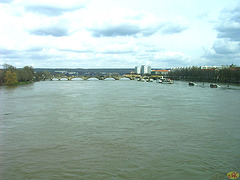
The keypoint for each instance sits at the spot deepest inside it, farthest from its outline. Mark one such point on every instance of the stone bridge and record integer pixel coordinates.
(88, 77)
(129, 76)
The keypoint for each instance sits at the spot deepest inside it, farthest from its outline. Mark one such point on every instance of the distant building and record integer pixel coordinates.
(201, 67)
(160, 72)
(143, 69)
(138, 70)
(72, 73)
(61, 72)
(211, 67)
(181, 68)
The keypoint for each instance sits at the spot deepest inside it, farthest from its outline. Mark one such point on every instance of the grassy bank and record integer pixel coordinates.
(17, 84)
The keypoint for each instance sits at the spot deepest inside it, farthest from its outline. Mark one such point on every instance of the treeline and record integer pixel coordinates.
(10, 75)
(225, 75)
(41, 76)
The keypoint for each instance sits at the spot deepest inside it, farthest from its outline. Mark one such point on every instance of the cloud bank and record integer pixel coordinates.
(51, 31)
(95, 34)
(226, 48)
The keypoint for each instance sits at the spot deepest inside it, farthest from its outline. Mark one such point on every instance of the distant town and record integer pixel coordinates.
(143, 69)
(224, 74)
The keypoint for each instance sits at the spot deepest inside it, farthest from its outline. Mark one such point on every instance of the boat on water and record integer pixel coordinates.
(167, 81)
(192, 84)
(214, 85)
(159, 80)
(164, 81)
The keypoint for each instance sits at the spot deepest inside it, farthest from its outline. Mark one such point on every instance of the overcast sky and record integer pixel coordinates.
(119, 33)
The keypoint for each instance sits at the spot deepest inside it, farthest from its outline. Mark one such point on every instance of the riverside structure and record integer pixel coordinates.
(129, 76)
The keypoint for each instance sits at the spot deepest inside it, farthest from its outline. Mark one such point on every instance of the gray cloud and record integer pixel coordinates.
(4, 51)
(220, 56)
(6, 1)
(230, 32)
(173, 28)
(33, 55)
(226, 47)
(119, 52)
(76, 51)
(10, 53)
(118, 30)
(127, 29)
(50, 10)
(229, 24)
(50, 31)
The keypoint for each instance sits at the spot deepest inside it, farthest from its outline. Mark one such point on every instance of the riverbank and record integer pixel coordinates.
(17, 84)
(206, 81)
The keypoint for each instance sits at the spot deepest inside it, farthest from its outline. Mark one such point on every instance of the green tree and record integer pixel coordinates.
(1, 77)
(28, 73)
(38, 76)
(47, 75)
(6, 68)
(10, 77)
(225, 75)
(20, 75)
(25, 74)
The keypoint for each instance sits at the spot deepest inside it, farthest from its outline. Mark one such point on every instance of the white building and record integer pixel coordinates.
(210, 67)
(149, 69)
(143, 69)
(138, 69)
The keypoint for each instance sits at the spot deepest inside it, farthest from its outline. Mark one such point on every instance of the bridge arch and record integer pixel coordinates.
(125, 78)
(54, 79)
(110, 79)
(77, 79)
(92, 78)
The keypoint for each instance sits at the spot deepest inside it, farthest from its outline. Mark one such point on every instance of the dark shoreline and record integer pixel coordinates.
(18, 83)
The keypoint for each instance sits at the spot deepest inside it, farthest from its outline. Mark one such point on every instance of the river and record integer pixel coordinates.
(119, 130)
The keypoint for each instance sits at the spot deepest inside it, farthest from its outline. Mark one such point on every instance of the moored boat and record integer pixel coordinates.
(191, 84)
(167, 81)
(159, 80)
(214, 85)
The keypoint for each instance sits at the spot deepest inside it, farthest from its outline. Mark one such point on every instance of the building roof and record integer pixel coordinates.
(161, 70)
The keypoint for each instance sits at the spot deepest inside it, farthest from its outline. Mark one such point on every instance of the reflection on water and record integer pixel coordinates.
(119, 130)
